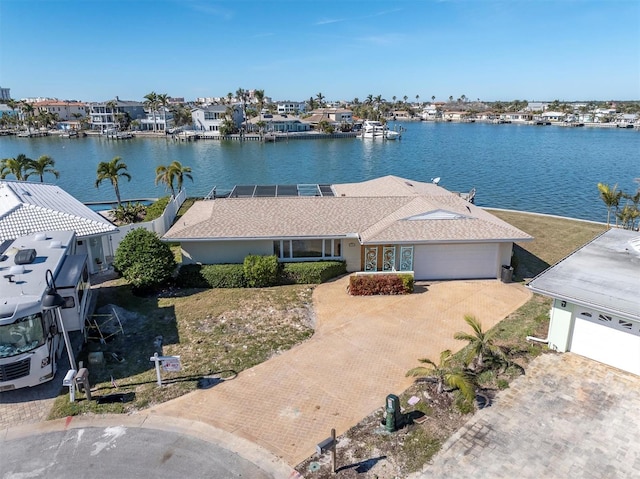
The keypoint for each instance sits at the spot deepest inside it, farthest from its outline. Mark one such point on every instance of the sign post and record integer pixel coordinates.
(168, 363)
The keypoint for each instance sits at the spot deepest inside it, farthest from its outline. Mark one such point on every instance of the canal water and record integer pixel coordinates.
(545, 169)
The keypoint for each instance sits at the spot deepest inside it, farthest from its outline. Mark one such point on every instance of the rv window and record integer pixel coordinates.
(69, 302)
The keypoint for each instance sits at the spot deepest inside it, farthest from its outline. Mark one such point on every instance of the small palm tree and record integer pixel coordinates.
(112, 171)
(42, 165)
(480, 343)
(611, 198)
(445, 374)
(17, 167)
(174, 172)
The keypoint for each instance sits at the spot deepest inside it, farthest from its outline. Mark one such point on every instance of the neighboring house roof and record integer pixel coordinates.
(384, 210)
(27, 207)
(604, 275)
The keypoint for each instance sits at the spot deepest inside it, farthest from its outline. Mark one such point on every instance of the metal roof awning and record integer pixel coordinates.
(271, 191)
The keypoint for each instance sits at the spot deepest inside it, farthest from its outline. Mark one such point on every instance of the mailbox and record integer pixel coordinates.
(327, 445)
(68, 379)
(393, 413)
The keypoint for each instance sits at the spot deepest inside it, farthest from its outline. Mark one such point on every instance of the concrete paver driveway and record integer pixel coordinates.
(568, 417)
(360, 352)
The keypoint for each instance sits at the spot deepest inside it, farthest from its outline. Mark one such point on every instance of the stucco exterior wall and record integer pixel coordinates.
(504, 257)
(560, 325)
(219, 252)
(351, 254)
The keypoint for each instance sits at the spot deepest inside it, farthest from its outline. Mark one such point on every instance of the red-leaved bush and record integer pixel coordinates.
(370, 284)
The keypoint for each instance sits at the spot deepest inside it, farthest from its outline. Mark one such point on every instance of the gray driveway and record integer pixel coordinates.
(567, 417)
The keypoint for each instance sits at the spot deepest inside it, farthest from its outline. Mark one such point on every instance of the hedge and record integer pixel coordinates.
(312, 273)
(233, 275)
(211, 276)
(372, 284)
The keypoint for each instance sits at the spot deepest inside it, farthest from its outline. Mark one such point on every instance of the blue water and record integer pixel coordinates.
(541, 169)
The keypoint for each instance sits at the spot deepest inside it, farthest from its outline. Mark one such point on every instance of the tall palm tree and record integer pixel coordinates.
(611, 198)
(445, 374)
(112, 171)
(163, 101)
(151, 102)
(17, 167)
(480, 342)
(42, 165)
(241, 94)
(320, 98)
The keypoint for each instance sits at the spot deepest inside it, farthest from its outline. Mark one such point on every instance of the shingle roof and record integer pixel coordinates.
(27, 208)
(377, 211)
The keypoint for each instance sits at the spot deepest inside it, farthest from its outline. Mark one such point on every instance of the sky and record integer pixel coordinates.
(534, 50)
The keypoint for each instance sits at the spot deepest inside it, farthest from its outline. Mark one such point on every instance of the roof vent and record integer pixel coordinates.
(16, 270)
(40, 237)
(635, 244)
(25, 256)
(55, 245)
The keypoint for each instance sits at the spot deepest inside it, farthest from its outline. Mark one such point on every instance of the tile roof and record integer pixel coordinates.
(27, 208)
(377, 211)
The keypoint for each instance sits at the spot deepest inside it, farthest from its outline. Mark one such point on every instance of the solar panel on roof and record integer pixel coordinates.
(244, 191)
(287, 190)
(326, 190)
(265, 190)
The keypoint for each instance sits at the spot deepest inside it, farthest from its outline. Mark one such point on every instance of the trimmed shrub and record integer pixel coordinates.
(211, 276)
(261, 271)
(312, 272)
(144, 260)
(372, 284)
(156, 209)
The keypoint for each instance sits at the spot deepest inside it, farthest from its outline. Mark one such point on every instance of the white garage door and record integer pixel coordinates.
(456, 261)
(607, 339)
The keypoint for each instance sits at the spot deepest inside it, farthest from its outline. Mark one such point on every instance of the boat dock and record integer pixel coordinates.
(267, 137)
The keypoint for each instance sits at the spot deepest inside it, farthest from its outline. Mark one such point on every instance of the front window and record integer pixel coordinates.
(22, 336)
(311, 249)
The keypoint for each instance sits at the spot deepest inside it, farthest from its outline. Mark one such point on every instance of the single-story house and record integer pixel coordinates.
(29, 207)
(596, 300)
(385, 224)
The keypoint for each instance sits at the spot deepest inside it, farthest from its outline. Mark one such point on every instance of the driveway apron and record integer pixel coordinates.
(359, 353)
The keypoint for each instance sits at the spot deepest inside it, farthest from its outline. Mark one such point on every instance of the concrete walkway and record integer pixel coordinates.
(567, 417)
(360, 352)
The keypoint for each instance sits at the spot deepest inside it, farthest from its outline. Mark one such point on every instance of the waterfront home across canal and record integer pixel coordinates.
(386, 224)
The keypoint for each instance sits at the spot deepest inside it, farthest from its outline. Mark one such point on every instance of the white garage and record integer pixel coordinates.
(456, 261)
(596, 307)
(606, 339)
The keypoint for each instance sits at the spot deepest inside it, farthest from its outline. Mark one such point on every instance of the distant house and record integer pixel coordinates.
(279, 123)
(554, 116)
(336, 116)
(291, 107)
(385, 224)
(158, 120)
(64, 110)
(211, 118)
(27, 207)
(596, 300)
(455, 115)
(517, 117)
(108, 115)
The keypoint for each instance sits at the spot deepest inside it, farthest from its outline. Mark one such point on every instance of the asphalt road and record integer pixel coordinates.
(119, 451)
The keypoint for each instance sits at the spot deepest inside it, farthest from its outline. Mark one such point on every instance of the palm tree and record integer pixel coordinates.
(163, 101)
(611, 198)
(17, 166)
(112, 171)
(151, 102)
(480, 342)
(320, 98)
(174, 172)
(433, 98)
(445, 374)
(42, 165)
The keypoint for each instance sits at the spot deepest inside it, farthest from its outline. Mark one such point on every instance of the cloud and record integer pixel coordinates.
(384, 39)
(210, 8)
(328, 21)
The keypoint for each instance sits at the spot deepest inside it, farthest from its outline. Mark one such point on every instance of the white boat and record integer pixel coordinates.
(377, 130)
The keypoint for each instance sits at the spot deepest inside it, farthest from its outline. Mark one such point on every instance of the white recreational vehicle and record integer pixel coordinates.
(32, 336)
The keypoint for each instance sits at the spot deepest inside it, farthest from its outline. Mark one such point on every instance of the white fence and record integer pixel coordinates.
(159, 226)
